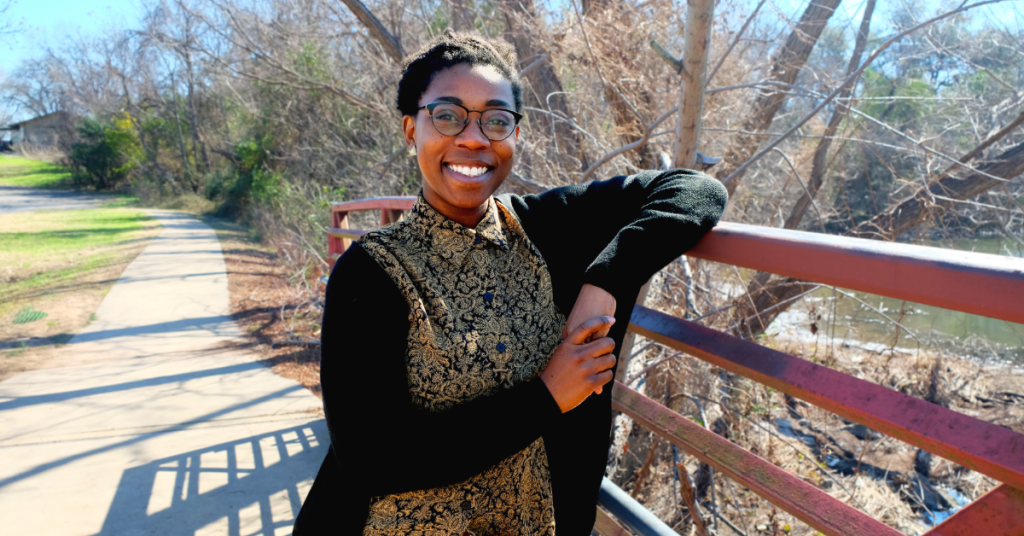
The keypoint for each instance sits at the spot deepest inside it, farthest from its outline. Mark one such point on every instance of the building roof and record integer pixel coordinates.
(18, 125)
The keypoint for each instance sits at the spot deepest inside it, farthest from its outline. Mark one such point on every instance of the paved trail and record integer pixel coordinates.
(22, 199)
(145, 427)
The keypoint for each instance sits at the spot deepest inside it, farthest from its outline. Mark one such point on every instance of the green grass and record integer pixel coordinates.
(46, 248)
(32, 173)
(123, 201)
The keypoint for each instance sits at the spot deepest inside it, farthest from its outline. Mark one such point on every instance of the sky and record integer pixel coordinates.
(47, 20)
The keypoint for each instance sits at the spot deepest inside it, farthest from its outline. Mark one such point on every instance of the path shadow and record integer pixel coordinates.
(252, 486)
(50, 398)
(217, 325)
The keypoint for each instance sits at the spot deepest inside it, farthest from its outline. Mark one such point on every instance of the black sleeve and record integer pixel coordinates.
(613, 234)
(383, 443)
(625, 228)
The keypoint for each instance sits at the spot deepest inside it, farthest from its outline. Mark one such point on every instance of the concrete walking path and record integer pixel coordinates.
(25, 199)
(147, 425)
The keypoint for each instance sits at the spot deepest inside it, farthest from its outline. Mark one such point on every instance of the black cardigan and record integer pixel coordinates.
(613, 234)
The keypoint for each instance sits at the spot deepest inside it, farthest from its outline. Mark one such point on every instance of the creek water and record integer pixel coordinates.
(826, 316)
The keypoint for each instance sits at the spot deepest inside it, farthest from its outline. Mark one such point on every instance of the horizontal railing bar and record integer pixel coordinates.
(808, 503)
(631, 513)
(346, 233)
(976, 283)
(999, 512)
(975, 444)
(375, 203)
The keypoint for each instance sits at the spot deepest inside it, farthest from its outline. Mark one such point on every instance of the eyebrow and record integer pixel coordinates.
(492, 102)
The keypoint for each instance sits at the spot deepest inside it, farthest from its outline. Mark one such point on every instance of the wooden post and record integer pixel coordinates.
(697, 41)
(389, 215)
(337, 245)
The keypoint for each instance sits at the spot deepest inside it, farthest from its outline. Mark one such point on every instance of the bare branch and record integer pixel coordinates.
(849, 80)
(390, 43)
(735, 40)
(628, 147)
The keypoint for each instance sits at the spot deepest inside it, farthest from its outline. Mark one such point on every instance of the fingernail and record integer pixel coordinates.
(610, 319)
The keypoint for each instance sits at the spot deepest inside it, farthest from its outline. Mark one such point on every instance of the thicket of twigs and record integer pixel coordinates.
(901, 125)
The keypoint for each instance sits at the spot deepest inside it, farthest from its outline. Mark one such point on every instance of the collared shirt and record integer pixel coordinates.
(482, 318)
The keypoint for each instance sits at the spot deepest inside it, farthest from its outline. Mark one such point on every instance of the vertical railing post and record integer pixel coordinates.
(390, 215)
(337, 245)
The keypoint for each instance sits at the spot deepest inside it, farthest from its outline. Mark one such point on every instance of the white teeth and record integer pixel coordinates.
(468, 171)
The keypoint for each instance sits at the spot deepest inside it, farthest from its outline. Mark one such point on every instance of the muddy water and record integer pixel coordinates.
(851, 319)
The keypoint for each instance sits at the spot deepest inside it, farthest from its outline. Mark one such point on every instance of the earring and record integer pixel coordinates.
(412, 150)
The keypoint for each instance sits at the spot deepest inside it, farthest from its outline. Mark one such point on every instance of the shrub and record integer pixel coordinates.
(105, 153)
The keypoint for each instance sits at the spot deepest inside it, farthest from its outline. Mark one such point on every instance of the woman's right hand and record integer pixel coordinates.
(577, 367)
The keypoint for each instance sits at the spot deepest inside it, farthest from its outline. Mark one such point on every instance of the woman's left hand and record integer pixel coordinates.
(591, 303)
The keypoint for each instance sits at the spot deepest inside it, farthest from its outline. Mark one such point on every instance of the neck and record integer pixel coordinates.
(468, 217)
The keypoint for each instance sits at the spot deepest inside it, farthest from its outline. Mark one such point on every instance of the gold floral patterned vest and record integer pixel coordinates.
(483, 318)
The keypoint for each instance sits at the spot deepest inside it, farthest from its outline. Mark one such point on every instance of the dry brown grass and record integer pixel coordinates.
(269, 307)
(67, 284)
(869, 471)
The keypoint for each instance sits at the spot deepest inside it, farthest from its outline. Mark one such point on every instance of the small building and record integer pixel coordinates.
(41, 133)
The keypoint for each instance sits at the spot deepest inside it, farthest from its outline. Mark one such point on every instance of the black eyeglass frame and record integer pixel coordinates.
(430, 111)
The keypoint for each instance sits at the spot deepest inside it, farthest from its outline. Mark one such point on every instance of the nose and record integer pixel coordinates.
(472, 137)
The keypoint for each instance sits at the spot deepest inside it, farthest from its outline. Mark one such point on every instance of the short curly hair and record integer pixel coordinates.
(447, 50)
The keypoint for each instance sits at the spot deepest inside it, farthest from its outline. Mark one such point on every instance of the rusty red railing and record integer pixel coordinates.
(976, 283)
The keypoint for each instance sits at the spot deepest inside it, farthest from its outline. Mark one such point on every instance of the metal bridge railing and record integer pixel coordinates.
(976, 283)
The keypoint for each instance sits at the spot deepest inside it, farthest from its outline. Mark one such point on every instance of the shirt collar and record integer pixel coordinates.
(450, 239)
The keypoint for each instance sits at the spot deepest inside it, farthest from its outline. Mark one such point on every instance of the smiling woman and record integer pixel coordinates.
(466, 349)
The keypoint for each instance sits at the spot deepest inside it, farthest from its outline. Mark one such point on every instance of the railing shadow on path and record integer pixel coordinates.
(137, 384)
(51, 465)
(218, 325)
(251, 486)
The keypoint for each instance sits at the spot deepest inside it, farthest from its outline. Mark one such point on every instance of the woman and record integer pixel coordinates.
(468, 350)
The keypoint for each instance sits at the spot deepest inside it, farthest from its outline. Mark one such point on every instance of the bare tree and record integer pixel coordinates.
(7, 25)
(785, 67)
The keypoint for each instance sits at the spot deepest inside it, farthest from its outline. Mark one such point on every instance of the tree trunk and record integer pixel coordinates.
(820, 162)
(390, 43)
(198, 146)
(699, 18)
(544, 90)
(785, 68)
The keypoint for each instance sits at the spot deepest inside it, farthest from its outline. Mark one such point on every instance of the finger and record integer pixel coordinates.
(601, 378)
(584, 331)
(598, 347)
(601, 364)
(598, 334)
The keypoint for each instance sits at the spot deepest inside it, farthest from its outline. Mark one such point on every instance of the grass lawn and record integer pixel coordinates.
(55, 268)
(32, 173)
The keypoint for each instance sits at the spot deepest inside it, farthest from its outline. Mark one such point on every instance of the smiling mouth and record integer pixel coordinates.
(471, 172)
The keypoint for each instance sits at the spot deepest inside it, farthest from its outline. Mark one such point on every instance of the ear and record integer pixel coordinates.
(409, 129)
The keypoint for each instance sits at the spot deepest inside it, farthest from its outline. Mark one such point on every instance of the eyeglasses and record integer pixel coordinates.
(451, 119)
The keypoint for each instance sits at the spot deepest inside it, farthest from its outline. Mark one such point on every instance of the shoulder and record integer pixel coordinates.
(384, 245)
(387, 236)
(357, 272)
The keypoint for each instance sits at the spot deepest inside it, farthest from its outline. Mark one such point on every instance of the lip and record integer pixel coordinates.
(455, 175)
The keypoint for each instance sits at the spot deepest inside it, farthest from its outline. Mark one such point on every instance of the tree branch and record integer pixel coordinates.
(850, 79)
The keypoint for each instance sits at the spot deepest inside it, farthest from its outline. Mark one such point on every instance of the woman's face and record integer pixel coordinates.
(462, 197)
